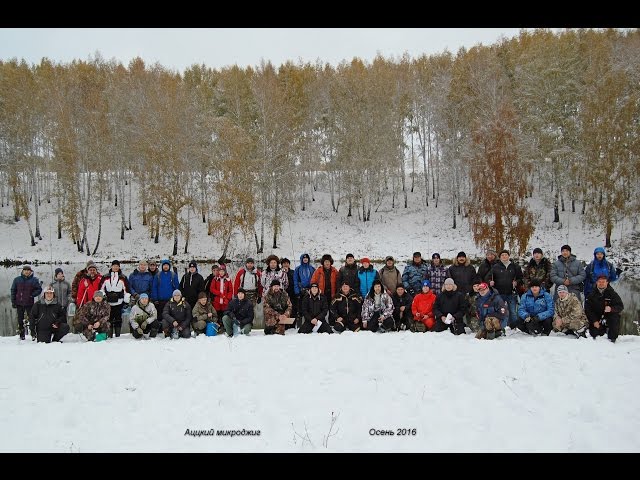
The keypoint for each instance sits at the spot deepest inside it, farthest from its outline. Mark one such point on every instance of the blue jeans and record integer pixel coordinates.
(512, 301)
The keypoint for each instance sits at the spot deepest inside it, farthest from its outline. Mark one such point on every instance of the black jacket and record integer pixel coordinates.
(452, 302)
(346, 306)
(349, 275)
(178, 312)
(45, 315)
(242, 310)
(504, 276)
(190, 286)
(314, 307)
(596, 301)
(405, 301)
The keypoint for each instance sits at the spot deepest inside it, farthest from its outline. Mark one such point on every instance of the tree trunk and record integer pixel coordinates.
(573, 206)
(188, 232)
(275, 221)
(130, 202)
(101, 194)
(175, 237)
(607, 240)
(36, 204)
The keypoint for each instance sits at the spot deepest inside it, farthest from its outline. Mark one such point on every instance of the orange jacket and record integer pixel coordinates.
(318, 277)
(422, 309)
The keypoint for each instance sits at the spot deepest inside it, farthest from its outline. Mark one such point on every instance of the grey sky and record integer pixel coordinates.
(179, 48)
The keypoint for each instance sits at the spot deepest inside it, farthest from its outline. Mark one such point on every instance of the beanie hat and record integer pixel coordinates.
(492, 252)
(349, 255)
(365, 260)
(250, 260)
(27, 267)
(562, 288)
(49, 289)
(449, 281)
(285, 260)
(98, 293)
(202, 295)
(90, 264)
(193, 264)
(314, 285)
(417, 254)
(176, 292)
(115, 262)
(426, 283)
(242, 290)
(483, 286)
(389, 258)
(275, 282)
(143, 295)
(461, 254)
(435, 255)
(58, 270)
(565, 247)
(537, 250)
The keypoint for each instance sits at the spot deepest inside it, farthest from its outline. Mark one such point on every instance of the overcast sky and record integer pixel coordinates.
(179, 48)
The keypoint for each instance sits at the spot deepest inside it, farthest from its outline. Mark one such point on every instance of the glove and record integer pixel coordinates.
(140, 331)
(135, 325)
(603, 322)
(535, 319)
(257, 301)
(412, 291)
(143, 325)
(527, 320)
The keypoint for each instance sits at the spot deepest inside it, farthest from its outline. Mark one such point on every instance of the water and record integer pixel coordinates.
(628, 287)
(9, 319)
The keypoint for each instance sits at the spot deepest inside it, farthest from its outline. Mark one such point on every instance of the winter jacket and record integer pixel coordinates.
(538, 271)
(452, 302)
(314, 307)
(45, 315)
(596, 301)
(221, 292)
(569, 268)
(177, 312)
(302, 276)
(319, 278)
(570, 312)
(140, 282)
(191, 285)
(347, 307)
(491, 305)
(540, 306)
(464, 276)
(241, 310)
(164, 283)
(401, 301)
(390, 278)
(503, 277)
(368, 306)
(422, 309)
(366, 277)
(413, 275)
(269, 276)
(437, 276)
(93, 312)
(75, 283)
(201, 312)
(249, 280)
(349, 274)
(24, 290)
(276, 304)
(485, 268)
(597, 268)
(62, 291)
(86, 288)
(141, 314)
(290, 287)
(115, 285)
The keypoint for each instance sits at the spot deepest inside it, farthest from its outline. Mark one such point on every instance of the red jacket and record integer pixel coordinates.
(221, 292)
(86, 289)
(422, 309)
(318, 277)
(237, 283)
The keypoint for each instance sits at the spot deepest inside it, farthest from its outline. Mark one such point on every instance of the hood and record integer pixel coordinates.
(165, 260)
(599, 250)
(305, 255)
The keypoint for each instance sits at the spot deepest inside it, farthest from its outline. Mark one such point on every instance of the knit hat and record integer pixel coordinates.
(250, 260)
(275, 282)
(143, 295)
(417, 254)
(349, 255)
(435, 255)
(389, 257)
(27, 267)
(602, 275)
(242, 290)
(314, 285)
(426, 283)
(449, 281)
(202, 295)
(176, 292)
(537, 250)
(58, 270)
(50, 289)
(152, 262)
(285, 260)
(365, 260)
(483, 286)
(461, 254)
(492, 252)
(562, 288)
(115, 262)
(565, 247)
(91, 264)
(222, 267)
(399, 286)
(193, 264)
(98, 293)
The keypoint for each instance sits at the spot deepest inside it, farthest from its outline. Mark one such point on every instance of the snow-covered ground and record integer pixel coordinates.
(398, 232)
(514, 394)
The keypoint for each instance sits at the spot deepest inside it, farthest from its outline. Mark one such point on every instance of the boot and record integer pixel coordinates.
(280, 329)
(110, 334)
(22, 334)
(481, 334)
(118, 328)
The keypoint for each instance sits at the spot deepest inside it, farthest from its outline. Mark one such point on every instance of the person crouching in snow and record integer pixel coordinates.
(277, 307)
(314, 309)
(422, 309)
(377, 310)
(449, 308)
(492, 312)
(345, 309)
(203, 313)
(48, 318)
(144, 318)
(93, 317)
(603, 307)
(239, 314)
(536, 310)
(176, 317)
(569, 316)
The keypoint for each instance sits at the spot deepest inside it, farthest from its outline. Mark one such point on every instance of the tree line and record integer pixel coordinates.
(241, 149)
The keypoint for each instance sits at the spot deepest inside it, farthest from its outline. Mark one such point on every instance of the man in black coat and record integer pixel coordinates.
(450, 308)
(192, 284)
(603, 307)
(402, 314)
(49, 322)
(314, 311)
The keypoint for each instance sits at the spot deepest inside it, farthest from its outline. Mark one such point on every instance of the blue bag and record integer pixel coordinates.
(211, 330)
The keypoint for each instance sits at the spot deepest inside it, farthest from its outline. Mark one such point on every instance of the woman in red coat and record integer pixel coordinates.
(221, 290)
(422, 309)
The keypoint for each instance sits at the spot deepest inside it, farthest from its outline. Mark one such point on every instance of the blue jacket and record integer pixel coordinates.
(492, 305)
(366, 279)
(24, 290)
(413, 275)
(540, 306)
(140, 282)
(302, 276)
(597, 268)
(164, 283)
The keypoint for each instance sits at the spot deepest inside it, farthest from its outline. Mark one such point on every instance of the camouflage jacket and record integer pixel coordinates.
(93, 312)
(201, 312)
(541, 272)
(276, 304)
(570, 312)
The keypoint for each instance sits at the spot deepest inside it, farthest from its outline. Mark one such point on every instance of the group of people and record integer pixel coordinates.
(426, 296)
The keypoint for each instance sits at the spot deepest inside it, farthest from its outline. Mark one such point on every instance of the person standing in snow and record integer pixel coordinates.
(568, 271)
(164, 284)
(88, 285)
(221, 292)
(302, 282)
(326, 276)
(538, 268)
(349, 273)
(62, 290)
(140, 280)
(506, 276)
(24, 289)
(285, 264)
(491, 258)
(436, 274)
(389, 276)
(116, 288)
(273, 272)
(598, 266)
(414, 273)
(367, 275)
(192, 284)
(249, 279)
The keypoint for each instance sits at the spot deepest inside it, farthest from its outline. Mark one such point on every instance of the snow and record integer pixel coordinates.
(397, 232)
(514, 394)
